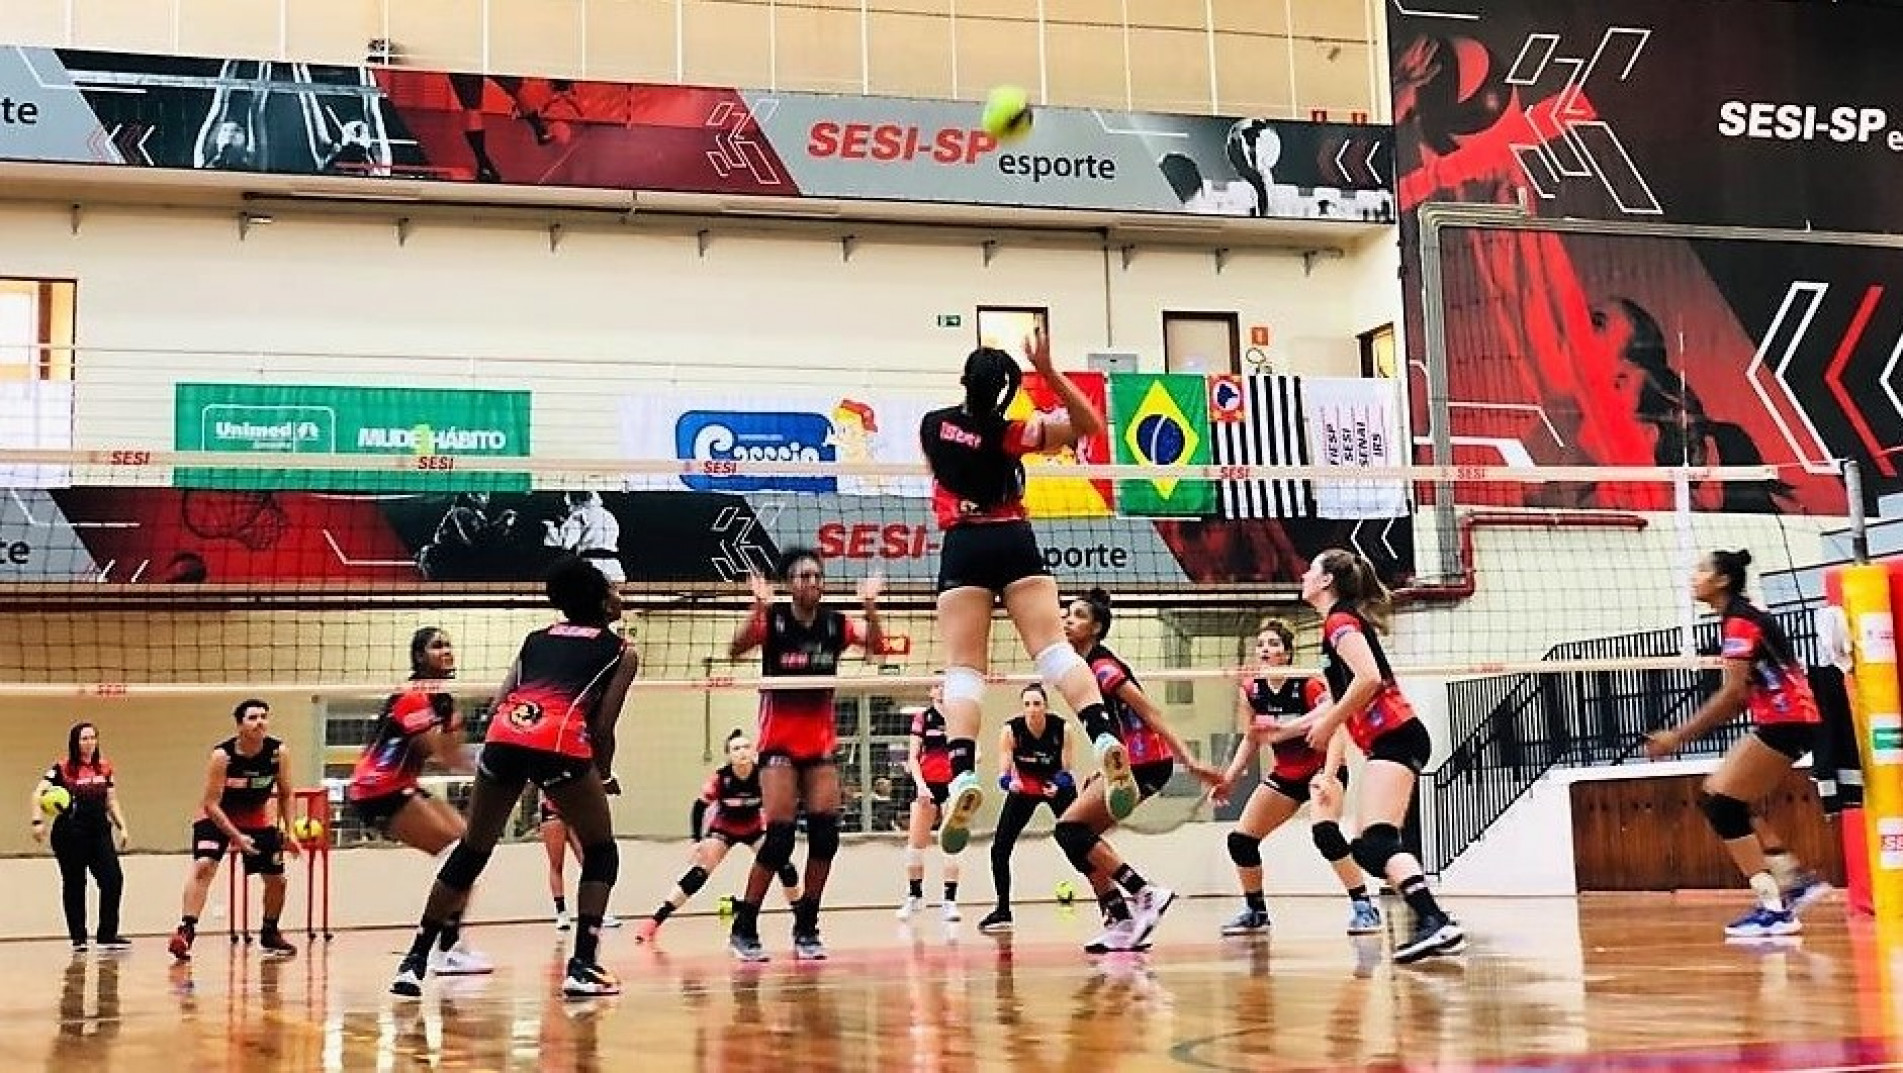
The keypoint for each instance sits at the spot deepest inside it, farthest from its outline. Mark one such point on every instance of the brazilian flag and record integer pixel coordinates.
(1161, 419)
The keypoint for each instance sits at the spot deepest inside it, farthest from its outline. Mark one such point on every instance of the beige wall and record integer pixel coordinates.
(1257, 57)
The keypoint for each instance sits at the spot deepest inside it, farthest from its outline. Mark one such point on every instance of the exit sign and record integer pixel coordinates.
(950, 320)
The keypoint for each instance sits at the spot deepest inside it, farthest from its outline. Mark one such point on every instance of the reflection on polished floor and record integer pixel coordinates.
(1614, 982)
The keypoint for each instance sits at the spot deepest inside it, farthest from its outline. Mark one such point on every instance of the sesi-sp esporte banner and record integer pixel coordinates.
(287, 118)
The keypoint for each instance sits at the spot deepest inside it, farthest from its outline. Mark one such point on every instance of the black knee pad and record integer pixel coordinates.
(1245, 851)
(1330, 841)
(789, 875)
(1378, 845)
(1730, 817)
(463, 867)
(1077, 840)
(776, 849)
(822, 835)
(695, 879)
(601, 863)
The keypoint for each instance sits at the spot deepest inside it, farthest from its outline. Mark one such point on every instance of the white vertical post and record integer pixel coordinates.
(772, 45)
(1129, 78)
(951, 19)
(178, 16)
(1288, 27)
(284, 29)
(584, 38)
(485, 36)
(1209, 39)
(865, 48)
(680, 40)
(1687, 559)
(1043, 59)
(70, 20)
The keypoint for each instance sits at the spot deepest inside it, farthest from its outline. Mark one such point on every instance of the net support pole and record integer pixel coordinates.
(1870, 614)
(1687, 561)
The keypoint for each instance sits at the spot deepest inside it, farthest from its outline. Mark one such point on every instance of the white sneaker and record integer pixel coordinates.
(1148, 909)
(910, 907)
(459, 960)
(611, 921)
(952, 915)
(561, 920)
(1120, 935)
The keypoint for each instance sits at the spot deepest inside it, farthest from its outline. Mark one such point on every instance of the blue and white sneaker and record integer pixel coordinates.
(1807, 890)
(954, 832)
(1762, 923)
(1364, 918)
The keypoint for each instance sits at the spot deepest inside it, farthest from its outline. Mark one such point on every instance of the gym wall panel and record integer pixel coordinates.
(1252, 16)
(437, 34)
(1176, 14)
(1252, 76)
(995, 52)
(1086, 65)
(332, 31)
(543, 36)
(227, 27)
(1169, 70)
(911, 55)
(817, 49)
(126, 25)
(1331, 76)
(630, 39)
(35, 22)
(727, 43)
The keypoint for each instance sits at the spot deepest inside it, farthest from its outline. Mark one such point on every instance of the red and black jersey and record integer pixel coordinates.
(1389, 708)
(561, 673)
(1036, 758)
(89, 785)
(1780, 687)
(734, 802)
(250, 782)
(1273, 705)
(934, 748)
(390, 761)
(977, 467)
(1143, 743)
(791, 648)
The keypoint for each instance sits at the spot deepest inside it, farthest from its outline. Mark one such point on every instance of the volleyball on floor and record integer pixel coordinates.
(307, 829)
(1007, 115)
(1066, 894)
(55, 801)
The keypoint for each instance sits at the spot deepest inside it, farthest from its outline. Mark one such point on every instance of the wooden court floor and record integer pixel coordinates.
(1616, 983)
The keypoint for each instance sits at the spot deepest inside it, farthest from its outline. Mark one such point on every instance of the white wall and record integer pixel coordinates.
(494, 307)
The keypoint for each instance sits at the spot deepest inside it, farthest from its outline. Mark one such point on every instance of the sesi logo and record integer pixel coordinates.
(864, 540)
(724, 442)
(897, 142)
(1798, 122)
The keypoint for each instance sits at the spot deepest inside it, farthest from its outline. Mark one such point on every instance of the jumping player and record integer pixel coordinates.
(733, 818)
(1343, 587)
(414, 728)
(1034, 768)
(929, 762)
(554, 726)
(1272, 706)
(800, 636)
(1764, 677)
(991, 554)
(1151, 746)
(247, 772)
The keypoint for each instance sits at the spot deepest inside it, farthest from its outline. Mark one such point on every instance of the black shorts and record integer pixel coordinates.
(1791, 739)
(736, 838)
(514, 765)
(1152, 777)
(989, 555)
(801, 764)
(377, 812)
(1407, 745)
(209, 843)
(1296, 790)
(940, 792)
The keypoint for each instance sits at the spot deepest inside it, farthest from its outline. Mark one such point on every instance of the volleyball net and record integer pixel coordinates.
(181, 581)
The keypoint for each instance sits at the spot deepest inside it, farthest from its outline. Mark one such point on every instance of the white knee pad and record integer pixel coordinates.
(964, 683)
(1055, 662)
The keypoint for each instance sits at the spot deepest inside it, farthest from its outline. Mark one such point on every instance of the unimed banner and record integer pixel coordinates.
(309, 119)
(300, 419)
(1758, 113)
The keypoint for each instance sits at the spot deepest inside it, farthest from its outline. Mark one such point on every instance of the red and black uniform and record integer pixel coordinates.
(1150, 759)
(82, 841)
(385, 778)
(251, 784)
(1296, 762)
(796, 725)
(978, 498)
(1386, 728)
(934, 753)
(734, 806)
(1783, 709)
(542, 731)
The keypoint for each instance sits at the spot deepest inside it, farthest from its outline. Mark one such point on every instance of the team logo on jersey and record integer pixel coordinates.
(522, 714)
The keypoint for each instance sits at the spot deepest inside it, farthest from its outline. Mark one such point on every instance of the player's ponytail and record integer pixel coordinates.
(991, 380)
(1357, 585)
(1098, 600)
